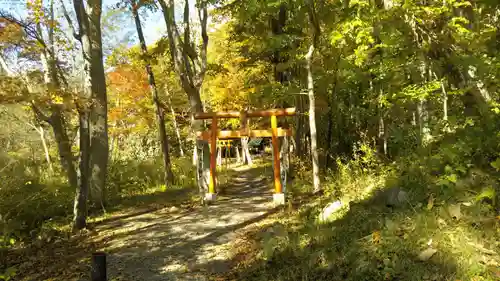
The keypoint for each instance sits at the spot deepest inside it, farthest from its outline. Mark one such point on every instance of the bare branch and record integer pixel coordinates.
(203, 15)
(77, 35)
(30, 28)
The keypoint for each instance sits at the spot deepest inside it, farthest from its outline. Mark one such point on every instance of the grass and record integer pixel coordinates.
(368, 240)
(34, 206)
(37, 213)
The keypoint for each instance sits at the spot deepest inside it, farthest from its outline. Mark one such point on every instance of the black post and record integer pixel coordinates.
(99, 267)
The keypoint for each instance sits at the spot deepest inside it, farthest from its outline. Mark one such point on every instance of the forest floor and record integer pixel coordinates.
(175, 244)
(243, 237)
(169, 243)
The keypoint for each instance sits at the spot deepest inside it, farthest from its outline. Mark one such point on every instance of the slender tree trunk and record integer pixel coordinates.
(331, 104)
(423, 121)
(160, 117)
(382, 134)
(445, 102)
(177, 131)
(243, 154)
(80, 206)
(247, 158)
(313, 20)
(56, 119)
(299, 132)
(219, 156)
(203, 149)
(41, 132)
(423, 115)
(195, 152)
(312, 120)
(64, 146)
(285, 161)
(444, 98)
(238, 157)
(329, 133)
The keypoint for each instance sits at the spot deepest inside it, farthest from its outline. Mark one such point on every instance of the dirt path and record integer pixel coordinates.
(186, 245)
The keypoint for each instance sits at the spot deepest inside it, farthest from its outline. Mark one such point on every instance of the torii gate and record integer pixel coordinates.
(274, 133)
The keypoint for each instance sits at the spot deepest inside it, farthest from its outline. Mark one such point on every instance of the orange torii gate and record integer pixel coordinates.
(214, 133)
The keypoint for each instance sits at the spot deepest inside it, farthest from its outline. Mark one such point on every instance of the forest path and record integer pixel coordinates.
(187, 245)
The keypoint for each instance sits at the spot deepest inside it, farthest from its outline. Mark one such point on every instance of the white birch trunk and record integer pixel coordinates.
(312, 120)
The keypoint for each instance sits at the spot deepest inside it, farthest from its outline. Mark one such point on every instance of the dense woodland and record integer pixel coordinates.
(393, 97)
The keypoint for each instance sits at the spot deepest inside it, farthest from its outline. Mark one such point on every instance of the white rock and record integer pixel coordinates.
(454, 211)
(329, 210)
(427, 254)
(402, 196)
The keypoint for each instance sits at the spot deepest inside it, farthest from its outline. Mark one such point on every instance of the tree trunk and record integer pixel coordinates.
(80, 206)
(285, 161)
(160, 117)
(329, 133)
(41, 131)
(190, 67)
(219, 156)
(445, 102)
(331, 103)
(423, 122)
(299, 132)
(238, 157)
(481, 93)
(177, 131)
(444, 99)
(313, 20)
(63, 145)
(312, 120)
(89, 23)
(243, 154)
(423, 114)
(247, 158)
(382, 134)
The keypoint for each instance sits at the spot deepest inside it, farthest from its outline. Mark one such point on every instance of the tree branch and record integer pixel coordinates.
(203, 15)
(30, 28)
(77, 35)
(313, 20)
(39, 114)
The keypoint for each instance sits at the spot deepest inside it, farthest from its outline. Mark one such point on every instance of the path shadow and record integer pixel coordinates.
(186, 245)
(149, 203)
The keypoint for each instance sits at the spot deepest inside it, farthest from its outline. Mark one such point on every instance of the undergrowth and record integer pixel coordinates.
(37, 205)
(445, 226)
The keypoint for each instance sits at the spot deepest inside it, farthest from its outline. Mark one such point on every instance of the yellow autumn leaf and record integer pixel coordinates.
(56, 99)
(376, 237)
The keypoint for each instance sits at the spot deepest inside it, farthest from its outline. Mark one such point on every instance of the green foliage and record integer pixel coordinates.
(450, 208)
(8, 274)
